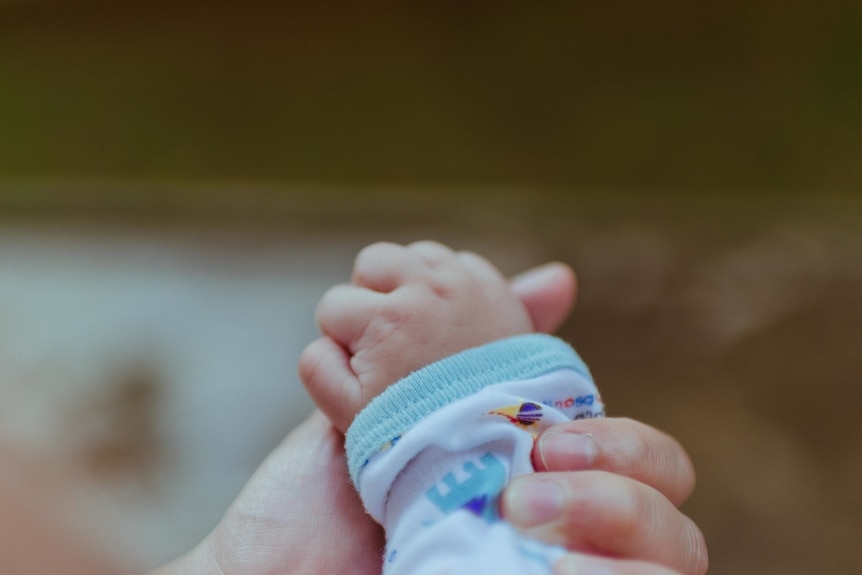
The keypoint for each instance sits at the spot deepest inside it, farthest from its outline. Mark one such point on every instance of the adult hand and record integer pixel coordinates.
(298, 514)
(618, 486)
(609, 488)
(614, 484)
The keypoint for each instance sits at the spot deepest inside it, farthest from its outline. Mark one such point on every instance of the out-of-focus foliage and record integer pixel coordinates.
(636, 95)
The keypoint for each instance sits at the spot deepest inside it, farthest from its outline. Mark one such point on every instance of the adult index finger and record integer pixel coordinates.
(621, 446)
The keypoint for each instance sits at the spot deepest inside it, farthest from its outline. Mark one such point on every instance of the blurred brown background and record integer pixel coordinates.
(699, 164)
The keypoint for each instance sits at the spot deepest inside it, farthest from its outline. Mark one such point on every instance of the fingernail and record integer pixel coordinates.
(537, 277)
(580, 565)
(533, 501)
(564, 451)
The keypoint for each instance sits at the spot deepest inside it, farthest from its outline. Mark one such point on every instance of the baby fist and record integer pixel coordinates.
(406, 307)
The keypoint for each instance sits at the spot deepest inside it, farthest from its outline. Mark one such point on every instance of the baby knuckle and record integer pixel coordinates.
(377, 248)
(431, 252)
(442, 286)
(389, 317)
(373, 254)
(309, 363)
(428, 245)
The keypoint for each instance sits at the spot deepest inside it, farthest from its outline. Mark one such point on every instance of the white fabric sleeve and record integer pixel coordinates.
(431, 455)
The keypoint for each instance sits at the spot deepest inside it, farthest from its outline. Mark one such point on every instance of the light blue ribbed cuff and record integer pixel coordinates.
(423, 392)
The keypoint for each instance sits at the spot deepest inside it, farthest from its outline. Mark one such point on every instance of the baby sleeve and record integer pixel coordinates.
(431, 455)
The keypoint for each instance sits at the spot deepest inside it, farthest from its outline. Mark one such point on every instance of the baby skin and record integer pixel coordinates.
(427, 367)
(406, 308)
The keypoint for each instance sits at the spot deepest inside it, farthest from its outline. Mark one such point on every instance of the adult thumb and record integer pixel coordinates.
(548, 292)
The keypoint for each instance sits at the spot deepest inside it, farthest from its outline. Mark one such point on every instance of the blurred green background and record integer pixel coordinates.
(700, 164)
(626, 95)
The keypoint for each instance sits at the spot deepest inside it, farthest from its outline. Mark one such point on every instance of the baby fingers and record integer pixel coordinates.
(324, 368)
(384, 266)
(345, 311)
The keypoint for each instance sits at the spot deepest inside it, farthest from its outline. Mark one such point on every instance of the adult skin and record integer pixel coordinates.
(608, 488)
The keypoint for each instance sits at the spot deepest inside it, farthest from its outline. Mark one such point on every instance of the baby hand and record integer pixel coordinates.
(406, 307)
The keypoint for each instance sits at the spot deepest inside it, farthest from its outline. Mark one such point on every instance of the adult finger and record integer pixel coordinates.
(606, 514)
(623, 447)
(548, 292)
(579, 564)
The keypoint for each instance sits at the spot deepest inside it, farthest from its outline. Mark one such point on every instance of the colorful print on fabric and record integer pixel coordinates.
(476, 494)
(526, 414)
(388, 445)
(391, 443)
